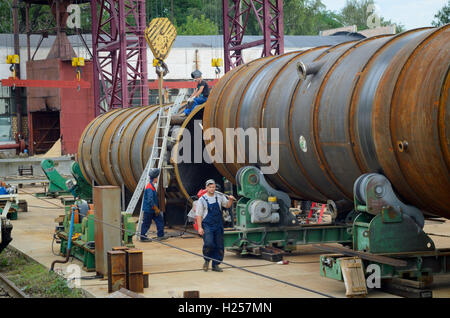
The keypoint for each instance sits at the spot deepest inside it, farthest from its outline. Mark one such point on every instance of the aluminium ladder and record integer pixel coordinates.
(159, 149)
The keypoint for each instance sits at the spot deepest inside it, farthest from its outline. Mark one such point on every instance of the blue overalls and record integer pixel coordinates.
(197, 101)
(213, 236)
(150, 200)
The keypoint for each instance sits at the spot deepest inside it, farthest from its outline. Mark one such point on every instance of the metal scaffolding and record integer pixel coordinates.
(120, 54)
(268, 13)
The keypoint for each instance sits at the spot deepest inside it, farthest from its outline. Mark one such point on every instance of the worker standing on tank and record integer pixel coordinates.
(210, 224)
(151, 209)
(200, 94)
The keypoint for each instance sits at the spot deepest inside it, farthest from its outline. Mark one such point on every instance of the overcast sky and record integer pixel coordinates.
(411, 13)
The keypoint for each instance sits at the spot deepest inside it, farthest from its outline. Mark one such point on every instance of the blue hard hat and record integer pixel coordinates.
(196, 74)
(153, 173)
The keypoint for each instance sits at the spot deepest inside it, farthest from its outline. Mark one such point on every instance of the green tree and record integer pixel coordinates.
(308, 17)
(198, 26)
(6, 22)
(359, 12)
(41, 17)
(443, 16)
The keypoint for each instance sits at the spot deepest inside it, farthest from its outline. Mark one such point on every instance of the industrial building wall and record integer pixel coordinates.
(43, 98)
(77, 107)
(74, 108)
(185, 56)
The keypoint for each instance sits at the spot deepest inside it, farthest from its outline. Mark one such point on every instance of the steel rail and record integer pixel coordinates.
(11, 288)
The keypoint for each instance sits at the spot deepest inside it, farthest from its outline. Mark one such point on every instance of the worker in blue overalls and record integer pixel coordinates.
(210, 224)
(151, 209)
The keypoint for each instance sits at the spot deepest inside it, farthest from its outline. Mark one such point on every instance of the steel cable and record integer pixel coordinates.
(212, 259)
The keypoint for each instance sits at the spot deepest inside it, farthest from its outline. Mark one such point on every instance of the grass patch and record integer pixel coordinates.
(34, 279)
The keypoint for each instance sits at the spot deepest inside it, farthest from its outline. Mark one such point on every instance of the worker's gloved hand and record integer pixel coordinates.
(156, 209)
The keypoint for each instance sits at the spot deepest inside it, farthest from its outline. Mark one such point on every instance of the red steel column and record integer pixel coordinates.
(269, 14)
(120, 54)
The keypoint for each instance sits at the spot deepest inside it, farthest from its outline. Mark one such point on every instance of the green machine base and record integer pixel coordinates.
(83, 238)
(251, 241)
(263, 219)
(388, 235)
(13, 211)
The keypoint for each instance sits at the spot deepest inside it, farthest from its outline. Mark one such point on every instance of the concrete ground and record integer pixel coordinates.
(173, 271)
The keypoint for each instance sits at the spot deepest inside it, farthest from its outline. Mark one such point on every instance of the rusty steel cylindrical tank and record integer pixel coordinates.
(115, 147)
(376, 105)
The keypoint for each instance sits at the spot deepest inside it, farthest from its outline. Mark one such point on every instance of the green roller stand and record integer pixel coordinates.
(389, 232)
(384, 226)
(250, 238)
(83, 189)
(57, 184)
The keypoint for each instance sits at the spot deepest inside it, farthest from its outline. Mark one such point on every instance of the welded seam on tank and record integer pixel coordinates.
(356, 96)
(214, 113)
(441, 116)
(114, 135)
(233, 98)
(333, 48)
(137, 122)
(105, 156)
(291, 135)
(402, 75)
(262, 111)
(317, 101)
(101, 134)
(124, 166)
(150, 135)
(291, 109)
(175, 150)
(117, 121)
(80, 150)
(356, 147)
(244, 92)
(85, 158)
(130, 154)
(94, 133)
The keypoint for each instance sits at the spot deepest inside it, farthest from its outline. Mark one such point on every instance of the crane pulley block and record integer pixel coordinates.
(217, 62)
(160, 35)
(78, 61)
(12, 59)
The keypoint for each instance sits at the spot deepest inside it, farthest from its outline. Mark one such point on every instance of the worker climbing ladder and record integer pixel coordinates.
(158, 153)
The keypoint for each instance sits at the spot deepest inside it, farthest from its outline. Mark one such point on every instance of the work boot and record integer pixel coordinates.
(217, 269)
(161, 238)
(205, 266)
(145, 239)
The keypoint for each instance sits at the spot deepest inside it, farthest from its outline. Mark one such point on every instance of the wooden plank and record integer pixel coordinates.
(398, 288)
(354, 278)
